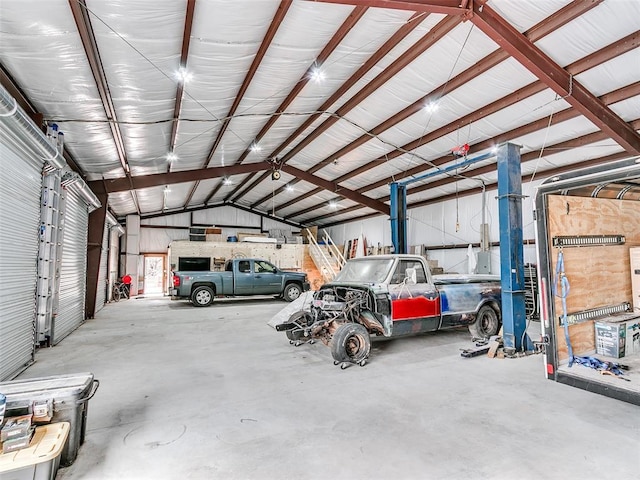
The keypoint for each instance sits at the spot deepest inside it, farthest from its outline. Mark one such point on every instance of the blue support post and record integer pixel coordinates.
(511, 250)
(398, 217)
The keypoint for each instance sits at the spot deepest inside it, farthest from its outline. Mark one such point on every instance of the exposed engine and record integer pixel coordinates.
(342, 303)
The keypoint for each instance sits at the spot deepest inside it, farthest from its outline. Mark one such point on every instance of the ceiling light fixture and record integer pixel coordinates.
(317, 74)
(431, 107)
(172, 157)
(183, 75)
(227, 181)
(290, 188)
(255, 147)
(333, 204)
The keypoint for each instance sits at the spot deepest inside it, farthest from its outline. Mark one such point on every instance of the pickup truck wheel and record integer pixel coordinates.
(202, 296)
(486, 323)
(350, 343)
(292, 292)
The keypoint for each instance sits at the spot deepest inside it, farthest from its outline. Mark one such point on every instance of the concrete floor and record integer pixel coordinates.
(215, 393)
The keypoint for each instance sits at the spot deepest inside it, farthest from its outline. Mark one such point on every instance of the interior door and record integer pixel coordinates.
(154, 267)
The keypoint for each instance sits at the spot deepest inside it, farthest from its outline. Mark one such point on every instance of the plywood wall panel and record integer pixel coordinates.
(598, 275)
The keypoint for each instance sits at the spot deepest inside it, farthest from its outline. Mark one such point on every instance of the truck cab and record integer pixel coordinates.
(256, 277)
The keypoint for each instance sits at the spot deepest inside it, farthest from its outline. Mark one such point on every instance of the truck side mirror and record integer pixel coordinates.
(410, 274)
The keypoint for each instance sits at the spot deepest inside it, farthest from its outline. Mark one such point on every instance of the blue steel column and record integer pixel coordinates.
(398, 217)
(511, 249)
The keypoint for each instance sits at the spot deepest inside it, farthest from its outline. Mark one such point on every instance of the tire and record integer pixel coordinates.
(302, 318)
(487, 323)
(350, 343)
(202, 296)
(292, 291)
(116, 294)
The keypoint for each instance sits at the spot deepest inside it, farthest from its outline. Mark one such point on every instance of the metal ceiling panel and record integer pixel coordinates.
(195, 137)
(41, 49)
(591, 31)
(523, 15)
(628, 109)
(141, 70)
(613, 74)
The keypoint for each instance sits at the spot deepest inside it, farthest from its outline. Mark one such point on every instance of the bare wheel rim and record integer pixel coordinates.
(354, 345)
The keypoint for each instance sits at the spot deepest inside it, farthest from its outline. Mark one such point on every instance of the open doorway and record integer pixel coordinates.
(154, 274)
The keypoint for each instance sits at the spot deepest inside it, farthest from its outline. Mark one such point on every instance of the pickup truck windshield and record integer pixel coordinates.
(366, 270)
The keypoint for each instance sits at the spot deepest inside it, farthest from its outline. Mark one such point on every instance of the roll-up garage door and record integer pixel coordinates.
(73, 267)
(20, 190)
(103, 272)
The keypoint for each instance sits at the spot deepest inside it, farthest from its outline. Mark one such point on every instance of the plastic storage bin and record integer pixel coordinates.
(41, 459)
(70, 395)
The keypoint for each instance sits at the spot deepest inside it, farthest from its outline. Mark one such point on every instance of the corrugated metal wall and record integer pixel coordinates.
(73, 267)
(20, 189)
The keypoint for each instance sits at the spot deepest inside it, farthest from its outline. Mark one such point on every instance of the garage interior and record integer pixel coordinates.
(487, 137)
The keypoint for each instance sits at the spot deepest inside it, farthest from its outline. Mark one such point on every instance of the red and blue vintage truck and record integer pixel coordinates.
(391, 296)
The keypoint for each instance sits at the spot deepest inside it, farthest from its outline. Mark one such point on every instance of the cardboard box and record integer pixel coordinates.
(15, 427)
(633, 337)
(618, 337)
(634, 254)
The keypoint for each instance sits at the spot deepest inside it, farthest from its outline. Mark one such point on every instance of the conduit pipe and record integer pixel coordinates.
(113, 223)
(73, 182)
(14, 118)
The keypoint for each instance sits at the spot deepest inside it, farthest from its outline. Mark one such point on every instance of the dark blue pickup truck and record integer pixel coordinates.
(241, 277)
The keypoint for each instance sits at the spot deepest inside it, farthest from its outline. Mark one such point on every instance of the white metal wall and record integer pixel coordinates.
(446, 223)
(20, 189)
(103, 273)
(73, 267)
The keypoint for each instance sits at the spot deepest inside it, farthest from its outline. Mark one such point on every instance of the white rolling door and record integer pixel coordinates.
(103, 273)
(73, 267)
(20, 190)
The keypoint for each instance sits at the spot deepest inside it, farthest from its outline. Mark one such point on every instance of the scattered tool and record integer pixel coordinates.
(609, 372)
(474, 352)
